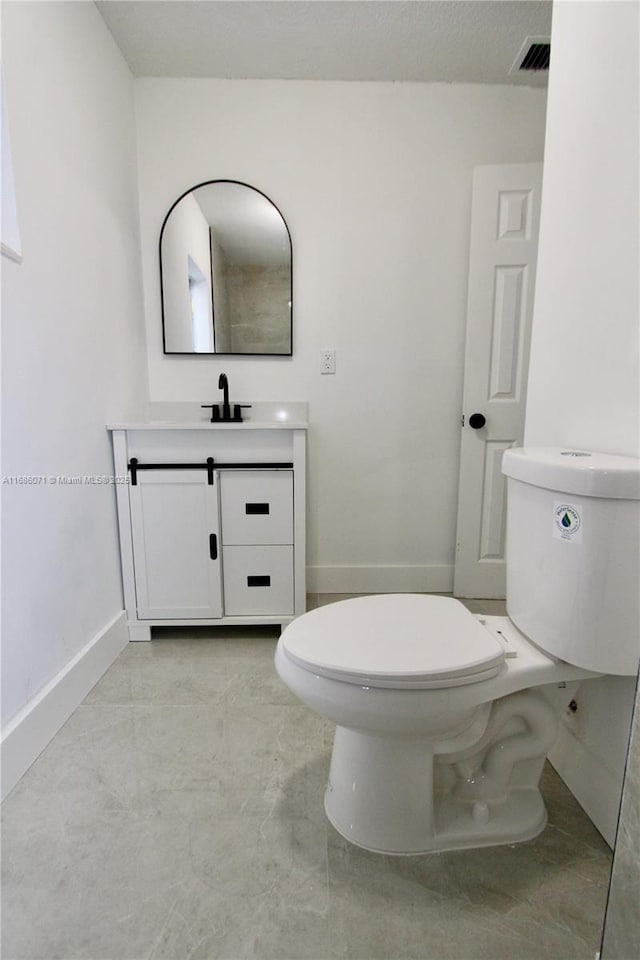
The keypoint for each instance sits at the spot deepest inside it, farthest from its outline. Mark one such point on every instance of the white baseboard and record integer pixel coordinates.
(593, 785)
(437, 578)
(28, 733)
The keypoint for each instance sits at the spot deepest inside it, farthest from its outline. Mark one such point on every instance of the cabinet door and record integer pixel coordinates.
(175, 528)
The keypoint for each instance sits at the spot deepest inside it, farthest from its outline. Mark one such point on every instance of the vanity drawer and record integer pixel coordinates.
(258, 580)
(256, 506)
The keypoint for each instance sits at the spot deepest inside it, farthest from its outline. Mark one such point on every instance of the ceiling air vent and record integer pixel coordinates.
(533, 56)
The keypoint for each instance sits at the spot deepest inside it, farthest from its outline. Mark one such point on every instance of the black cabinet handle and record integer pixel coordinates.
(258, 581)
(256, 508)
(213, 546)
(477, 420)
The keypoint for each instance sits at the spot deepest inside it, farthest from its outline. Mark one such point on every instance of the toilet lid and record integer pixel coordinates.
(398, 640)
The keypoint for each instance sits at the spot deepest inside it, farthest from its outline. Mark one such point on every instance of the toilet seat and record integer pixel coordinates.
(399, 641)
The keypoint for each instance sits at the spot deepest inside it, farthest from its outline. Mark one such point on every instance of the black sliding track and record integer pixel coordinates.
(210, 465)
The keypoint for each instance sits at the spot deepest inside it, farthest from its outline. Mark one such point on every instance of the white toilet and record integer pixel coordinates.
(443, 718)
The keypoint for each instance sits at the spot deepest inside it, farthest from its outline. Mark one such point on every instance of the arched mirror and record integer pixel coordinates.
(225, 273)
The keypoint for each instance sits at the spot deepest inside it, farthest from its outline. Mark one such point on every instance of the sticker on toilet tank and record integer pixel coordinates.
(567, 523)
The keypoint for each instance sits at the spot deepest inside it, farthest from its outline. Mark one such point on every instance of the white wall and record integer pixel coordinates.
(186, 236)
(584, 376)
(374, 181)
(73, 339)
(584, 381)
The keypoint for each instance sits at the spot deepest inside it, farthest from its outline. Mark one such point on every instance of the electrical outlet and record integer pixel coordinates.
(327, 361)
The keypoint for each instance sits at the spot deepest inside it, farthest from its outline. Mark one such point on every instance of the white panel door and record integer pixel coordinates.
(505, 221)
(176, 544)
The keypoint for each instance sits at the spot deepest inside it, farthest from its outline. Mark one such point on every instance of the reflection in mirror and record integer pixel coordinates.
(225, 273)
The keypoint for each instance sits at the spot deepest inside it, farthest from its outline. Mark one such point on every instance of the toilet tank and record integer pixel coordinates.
(573, 555)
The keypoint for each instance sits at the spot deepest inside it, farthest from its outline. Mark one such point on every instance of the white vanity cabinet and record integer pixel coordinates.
(212, 522)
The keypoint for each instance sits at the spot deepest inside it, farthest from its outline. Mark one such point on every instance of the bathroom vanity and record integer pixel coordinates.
(212, 517)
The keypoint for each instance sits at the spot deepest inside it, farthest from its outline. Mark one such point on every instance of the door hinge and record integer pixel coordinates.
(462, 420)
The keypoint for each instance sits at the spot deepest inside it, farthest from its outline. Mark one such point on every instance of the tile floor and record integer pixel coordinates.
(178, 814)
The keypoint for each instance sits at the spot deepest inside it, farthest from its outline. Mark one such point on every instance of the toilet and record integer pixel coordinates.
(444, 719)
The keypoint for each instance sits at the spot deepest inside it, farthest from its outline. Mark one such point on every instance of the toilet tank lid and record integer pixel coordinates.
(580, 472)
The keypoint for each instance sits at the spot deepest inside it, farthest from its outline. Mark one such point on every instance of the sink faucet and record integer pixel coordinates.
(216, 417)
(223, 384)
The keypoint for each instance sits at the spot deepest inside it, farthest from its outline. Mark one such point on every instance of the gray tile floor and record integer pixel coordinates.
(178, 814)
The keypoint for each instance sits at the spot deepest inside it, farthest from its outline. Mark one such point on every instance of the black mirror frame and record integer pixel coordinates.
(187, 353)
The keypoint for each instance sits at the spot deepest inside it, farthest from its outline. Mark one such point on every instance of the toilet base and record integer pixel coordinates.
(380, 797)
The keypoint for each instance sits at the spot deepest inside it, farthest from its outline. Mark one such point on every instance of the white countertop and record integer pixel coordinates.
(263, 415)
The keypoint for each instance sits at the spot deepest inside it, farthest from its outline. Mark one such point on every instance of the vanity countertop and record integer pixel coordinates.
(263, 415)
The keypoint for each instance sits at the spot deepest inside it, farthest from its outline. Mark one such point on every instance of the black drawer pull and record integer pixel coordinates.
(213, 546)
(255, 508)
(258, 581)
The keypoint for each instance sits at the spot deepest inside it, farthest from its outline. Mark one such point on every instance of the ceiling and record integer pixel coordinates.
(455, 41)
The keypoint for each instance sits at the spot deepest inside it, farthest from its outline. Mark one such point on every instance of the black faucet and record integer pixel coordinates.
(225, 417)
(223, 384)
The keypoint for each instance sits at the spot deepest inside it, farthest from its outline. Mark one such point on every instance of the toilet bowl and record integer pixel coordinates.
(443, 719)
(440, 738)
